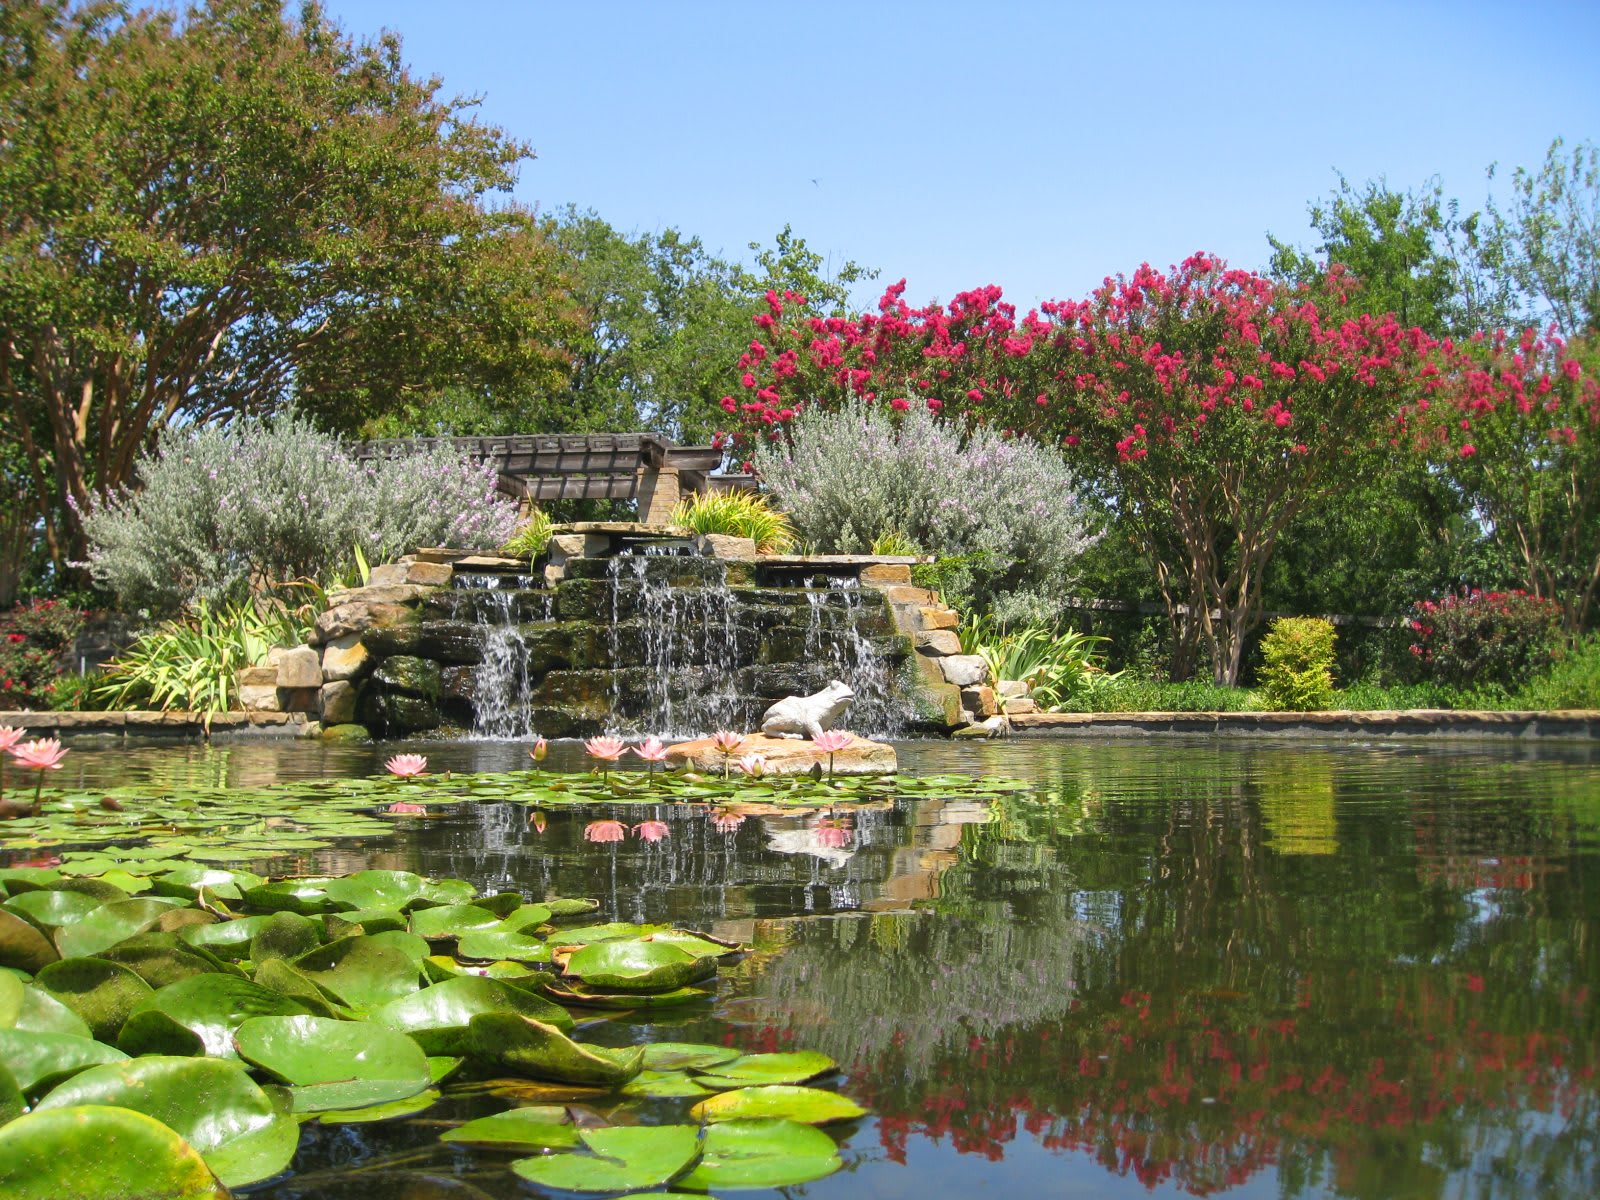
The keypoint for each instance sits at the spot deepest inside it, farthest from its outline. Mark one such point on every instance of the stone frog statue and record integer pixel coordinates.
(807, 716)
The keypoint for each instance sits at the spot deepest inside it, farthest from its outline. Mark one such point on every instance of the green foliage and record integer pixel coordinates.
(531, 539)
(893, 543)
(1059, 667)
(189, 663)
(1129, 694)
(737, 514)
(1297, 669)
(1573, 681)
(34, 639)
(223, 511)
(72, 692)
(240, 205)
(1005, 515)
(1479, 639)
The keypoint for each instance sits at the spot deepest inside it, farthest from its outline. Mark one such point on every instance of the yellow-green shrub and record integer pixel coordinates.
(1297, 670)
(737, 514)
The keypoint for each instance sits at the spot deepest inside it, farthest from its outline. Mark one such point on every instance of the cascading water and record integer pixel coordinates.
(834, 638)
(687, 640)
(502, 687)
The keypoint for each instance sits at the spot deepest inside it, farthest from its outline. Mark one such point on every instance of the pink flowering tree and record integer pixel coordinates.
(1516, 424)
(1212, 406)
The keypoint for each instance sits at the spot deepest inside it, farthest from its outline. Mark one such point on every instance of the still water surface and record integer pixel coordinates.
(1176, 967)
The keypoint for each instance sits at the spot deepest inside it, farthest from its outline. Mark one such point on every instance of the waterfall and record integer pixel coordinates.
(502, 691)
(849, 655)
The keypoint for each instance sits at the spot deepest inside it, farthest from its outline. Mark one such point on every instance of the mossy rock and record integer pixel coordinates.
(346, 733)
(410, 676)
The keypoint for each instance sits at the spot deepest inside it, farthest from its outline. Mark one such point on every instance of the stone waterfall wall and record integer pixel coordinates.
(405, 654)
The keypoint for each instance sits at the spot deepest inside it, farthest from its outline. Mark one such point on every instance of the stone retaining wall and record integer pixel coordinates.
(1430, 723)
(175, 725)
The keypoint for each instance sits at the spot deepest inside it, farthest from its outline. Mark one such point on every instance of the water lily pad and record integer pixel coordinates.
(522, 1046)
(536, 1127)
(698, 944)
(562, 909)
(50, 909)
(664, 1085)
(43, 1013)
(810, 1106)
(284, 935)
(188, 880)
(610, 931)
(525, 917)
(637, 966)
(393, 1111)
(363, 920)
(11, 993)
(22, 945)
(439, 967)
(451, 921)
(161, 959)
(437, 1017)
(624, 1157)
(109, 924)
(102, 993)
(378, 889)
(208, 1007)
(95, 1152)
(361, 971)
(569, 993)
(795, 1067)
(770, 1153)
(304, 896)
(678, 1056)
(213, 1105)
(230, 939)
(334, 1064)
(278, 976)
(500, 943)
(39, 1061)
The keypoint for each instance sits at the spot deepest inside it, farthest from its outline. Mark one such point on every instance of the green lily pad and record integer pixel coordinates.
(810, 1106)
(213, 1105)
(210, 1008)
(51, 909)
(525, 917)
(500, 943)
(450, 921)
(624, 1157)
(12, 1102)
(284, 935)
(363, 920)
(39, 1061)
(189, 879)
(307, 897)
(501, 904)
(538, 1050)
(439, 967)
(586, 934)
(96, 1152)
(361, 971)
(536, 1127)
(567, 909)
(161, 959)
(110, 924)
(751, 1069)
(22, 945)
(437, 1017)
(278, 976)
(378, 889)
(334, 1064)
(664, 1085)
(678, 1056)
(393, 1111)
(229, 939)
(577, 994)
(770, 1153)
(11, 994)
(43, 1013)
(637, 966)
(102, 993)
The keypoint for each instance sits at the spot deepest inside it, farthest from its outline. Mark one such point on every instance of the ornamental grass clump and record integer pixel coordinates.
(737, 514)
(1297, 670)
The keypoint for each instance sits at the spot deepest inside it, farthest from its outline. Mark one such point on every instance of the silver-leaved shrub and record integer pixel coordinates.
(221, 512)
(1005, 514)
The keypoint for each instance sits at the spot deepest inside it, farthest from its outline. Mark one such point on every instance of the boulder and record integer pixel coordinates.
(1011, 689)
(722, 545)
(788, 756)
(410, 675)
(299, 700)
(937, 642)
(361, 616)
(338, 702)
(880, 574)
(345, 733)
(937, 617)
(345, 657)
(979, 701)
(964, 670)
(300, 667)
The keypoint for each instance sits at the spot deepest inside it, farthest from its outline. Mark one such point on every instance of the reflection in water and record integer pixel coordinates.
(1319, 971)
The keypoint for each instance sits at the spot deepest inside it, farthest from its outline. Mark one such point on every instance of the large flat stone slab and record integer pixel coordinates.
(790, 756)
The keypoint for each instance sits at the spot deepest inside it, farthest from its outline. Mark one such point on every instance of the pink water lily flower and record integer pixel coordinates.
(652, 831)
(753, 765)
(606, 749)
(835, 833)
(727, 822)
(727, 741)
(652, 751)
(401, 808)
(830, 742)
(9, 737)
(541, 747)
(604, 831)
(41, 754)
(537, 819)
(407, 766)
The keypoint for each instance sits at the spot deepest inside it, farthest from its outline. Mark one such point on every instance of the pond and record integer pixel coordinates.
(1174, 966)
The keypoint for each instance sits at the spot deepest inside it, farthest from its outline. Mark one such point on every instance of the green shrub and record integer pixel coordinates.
(72, 692)
(1479, 638)
(1297, 664)
(1005, 514)
(34, 639)
(893, 543)
(1573, 682)
(1128, 694)
(1057, 667)
(222, 512)
(737, 514)
(532, 538)
(189, 663)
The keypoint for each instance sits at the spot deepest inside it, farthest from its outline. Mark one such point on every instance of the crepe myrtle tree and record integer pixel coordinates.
(1210, 405)
(1516, 426)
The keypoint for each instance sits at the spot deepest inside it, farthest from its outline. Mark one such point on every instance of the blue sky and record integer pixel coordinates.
(1040, 146)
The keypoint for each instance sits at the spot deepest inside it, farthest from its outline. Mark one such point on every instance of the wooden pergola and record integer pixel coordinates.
(537, 468)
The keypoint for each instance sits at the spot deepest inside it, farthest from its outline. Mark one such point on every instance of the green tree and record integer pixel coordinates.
(206, 215)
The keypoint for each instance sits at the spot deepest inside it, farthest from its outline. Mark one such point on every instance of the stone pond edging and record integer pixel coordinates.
(175, 725)
(1412, 723)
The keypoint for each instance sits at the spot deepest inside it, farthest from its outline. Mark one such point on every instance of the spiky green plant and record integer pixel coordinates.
(531, 537)
(737, 514)
(1056, 666)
